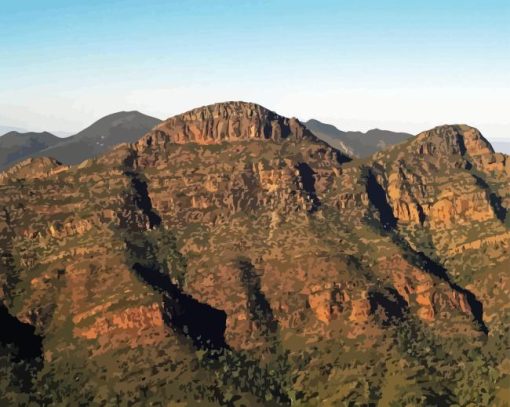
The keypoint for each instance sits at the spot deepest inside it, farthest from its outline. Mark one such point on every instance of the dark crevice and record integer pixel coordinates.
(461, 144)
(475, 305)
(421, 214)
(141, 194)
(21, 335)
(377, 197)
(267, 130)
(468, 166)
(342, 158)
(307, 179)
(285, 131)
(258, 305)
(203, 324)
(142, 199)
(391, 302)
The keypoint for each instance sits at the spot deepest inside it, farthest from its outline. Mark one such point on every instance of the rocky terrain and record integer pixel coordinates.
(231, 257)
(356, 143)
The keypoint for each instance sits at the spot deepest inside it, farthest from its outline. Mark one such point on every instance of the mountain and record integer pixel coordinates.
(355, 143)
(15, 146)
(101, 136)
(230, 257)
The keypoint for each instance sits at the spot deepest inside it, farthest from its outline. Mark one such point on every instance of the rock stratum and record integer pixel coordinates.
(230, 257)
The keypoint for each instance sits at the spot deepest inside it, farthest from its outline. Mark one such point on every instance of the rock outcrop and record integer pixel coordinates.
(226, 122)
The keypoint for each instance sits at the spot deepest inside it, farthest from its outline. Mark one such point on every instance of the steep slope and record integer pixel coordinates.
(230, 256)
(101, 136)
(16, 146)
(356, 143)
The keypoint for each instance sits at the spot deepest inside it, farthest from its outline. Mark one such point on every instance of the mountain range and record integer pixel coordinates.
(127, 127)
(101, 136)
(230, 256)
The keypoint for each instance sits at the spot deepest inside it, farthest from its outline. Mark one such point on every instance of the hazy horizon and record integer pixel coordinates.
(390, 65)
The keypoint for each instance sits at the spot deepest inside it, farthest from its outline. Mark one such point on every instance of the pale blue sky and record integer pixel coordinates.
(402, 65)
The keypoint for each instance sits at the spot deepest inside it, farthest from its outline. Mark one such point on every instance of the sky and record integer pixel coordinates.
(398, 65)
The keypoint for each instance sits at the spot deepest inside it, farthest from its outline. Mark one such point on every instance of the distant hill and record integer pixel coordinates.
(356, 143)
(101, 136)
(15, 146)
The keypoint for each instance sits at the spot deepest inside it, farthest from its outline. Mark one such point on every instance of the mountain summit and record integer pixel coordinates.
(230, 121)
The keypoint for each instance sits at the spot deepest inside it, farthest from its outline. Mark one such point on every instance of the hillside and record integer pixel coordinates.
(231, 257)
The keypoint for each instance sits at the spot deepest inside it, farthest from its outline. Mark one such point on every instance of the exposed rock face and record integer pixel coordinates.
(135, 326)
(230, 227)
(224, 122)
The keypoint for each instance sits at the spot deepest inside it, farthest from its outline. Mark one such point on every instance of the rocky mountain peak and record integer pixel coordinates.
(227, 121)
(230, 109)
(453, 139)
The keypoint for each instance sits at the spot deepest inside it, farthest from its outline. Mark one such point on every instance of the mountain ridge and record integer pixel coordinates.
(356, 143)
